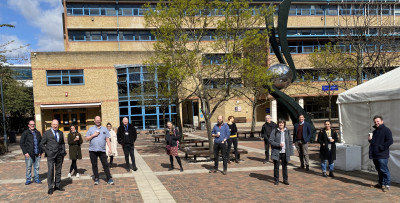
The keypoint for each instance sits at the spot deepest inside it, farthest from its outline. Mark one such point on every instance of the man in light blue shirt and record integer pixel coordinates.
(220, 133)
(98, 136)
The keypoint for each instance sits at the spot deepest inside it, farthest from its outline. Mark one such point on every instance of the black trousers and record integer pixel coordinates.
(233, 141)
(57, 163)
(129, 150)
(217, 148)
(73, 166)
(266, 146)
(282, 158)
(103, 160)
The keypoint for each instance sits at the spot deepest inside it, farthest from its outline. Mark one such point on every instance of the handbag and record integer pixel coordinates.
(168, 148)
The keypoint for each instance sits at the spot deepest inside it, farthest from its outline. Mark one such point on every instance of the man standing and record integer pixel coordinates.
(220, 133)
(126, 136)
(301, 138)
(380, 142)
(265, 133)
(30, 145)
(53, 145)
(98, 136)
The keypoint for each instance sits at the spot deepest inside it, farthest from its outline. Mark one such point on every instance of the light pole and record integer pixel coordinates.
(2, 109)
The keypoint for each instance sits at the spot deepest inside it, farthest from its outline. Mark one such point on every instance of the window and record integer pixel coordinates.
(65, 77)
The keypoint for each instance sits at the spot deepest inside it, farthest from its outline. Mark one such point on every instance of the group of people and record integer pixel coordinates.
(278, 138)
(102, 145)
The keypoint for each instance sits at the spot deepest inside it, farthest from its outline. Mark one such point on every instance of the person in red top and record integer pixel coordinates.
(301, 137)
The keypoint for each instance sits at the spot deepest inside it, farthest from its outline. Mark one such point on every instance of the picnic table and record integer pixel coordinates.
(162, 135)
(194, 141)
(152, 129)
(205, 151)
(189, 128)
(245, 132)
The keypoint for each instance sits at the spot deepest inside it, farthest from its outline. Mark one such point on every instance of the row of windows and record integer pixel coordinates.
(314, 75)
(65, 77)
(111, 36)
(295, 10)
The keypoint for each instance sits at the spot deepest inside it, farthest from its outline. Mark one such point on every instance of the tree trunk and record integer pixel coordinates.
(253, 120)
(209, 135)
(178, 116)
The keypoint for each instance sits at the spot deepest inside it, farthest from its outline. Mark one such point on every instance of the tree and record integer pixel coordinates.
(332, 67)
(369, 35)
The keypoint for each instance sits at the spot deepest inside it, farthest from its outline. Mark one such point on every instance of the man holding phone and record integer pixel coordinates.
(220, 133)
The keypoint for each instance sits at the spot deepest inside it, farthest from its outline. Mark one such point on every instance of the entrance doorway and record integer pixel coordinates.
(66, 119)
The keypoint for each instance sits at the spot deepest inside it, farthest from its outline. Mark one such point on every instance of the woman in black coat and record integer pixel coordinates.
(172, 138)
(232, 140)
(327, 151)
(74, 142)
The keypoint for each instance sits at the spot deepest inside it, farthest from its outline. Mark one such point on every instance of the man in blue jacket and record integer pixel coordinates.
(301, 137)
(379, 152)
(220, 133)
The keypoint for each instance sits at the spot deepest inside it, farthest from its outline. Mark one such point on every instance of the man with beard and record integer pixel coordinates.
(220, 133)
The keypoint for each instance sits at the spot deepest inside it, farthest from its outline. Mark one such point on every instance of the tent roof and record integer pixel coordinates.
(381, 88)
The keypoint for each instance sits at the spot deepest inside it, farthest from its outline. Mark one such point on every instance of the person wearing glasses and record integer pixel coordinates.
(30, 145)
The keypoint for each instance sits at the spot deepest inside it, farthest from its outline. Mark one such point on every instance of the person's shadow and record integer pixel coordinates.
(164, 165)
(256, 159)
(207, 166)
(262, 177)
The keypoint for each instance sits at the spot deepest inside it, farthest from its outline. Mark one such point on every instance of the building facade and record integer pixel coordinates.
(106, 43)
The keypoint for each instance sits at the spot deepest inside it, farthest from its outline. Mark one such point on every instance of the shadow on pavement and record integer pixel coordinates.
(262, 177)
(256, 158)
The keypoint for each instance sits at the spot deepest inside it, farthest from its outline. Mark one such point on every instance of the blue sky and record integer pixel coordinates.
(37, 23)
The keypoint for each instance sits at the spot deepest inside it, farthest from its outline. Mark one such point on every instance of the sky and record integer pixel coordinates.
(38, 26)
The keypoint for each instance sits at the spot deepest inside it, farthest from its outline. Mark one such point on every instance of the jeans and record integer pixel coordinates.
(282, 157)
(103, 160)
(222, 147)
(36, 162)
(233, 141)
(383, 171)
(330, 161)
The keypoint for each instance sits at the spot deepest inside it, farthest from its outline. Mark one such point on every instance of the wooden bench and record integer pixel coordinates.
(194, 141)
(240, 120)
(205, 151)
(158, 136)
(245, 132)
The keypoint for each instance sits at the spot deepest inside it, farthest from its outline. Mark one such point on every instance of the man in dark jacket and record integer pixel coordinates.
(266, 133)
(126, 136)
(380, 142)
(301, 137)
(30, 145)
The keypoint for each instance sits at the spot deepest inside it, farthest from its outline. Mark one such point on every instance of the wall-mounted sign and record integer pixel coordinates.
(333, 87)
(238, 108)
(267, 110)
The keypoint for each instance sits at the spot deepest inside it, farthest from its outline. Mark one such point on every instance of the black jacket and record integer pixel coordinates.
(323, 141)
(121, 135)
(50, 145)
(380, 143)
(233, 129)
(26, 142)
(267, 129)
(171, 139)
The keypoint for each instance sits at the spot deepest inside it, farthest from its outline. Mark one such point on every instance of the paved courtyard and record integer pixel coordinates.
(247, 181)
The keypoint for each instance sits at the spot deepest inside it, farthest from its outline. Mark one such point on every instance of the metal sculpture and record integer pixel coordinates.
(286, 74)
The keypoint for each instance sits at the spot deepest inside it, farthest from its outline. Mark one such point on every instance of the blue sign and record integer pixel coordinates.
(267, 110)
(333, 87)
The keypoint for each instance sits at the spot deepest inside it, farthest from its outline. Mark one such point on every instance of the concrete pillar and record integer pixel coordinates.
(301, 102)
(274, 111)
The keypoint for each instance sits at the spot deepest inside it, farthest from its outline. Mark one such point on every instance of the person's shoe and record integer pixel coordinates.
(276, 183)
(28, 182)
(236, 161)
(213, 171)
(331, 174)
(38, 181)
(181, 169)
(386, 188)
(286, 182)
(324, 174)
(77, 175)
(96, 181)
(110, 182)
(69, 175)
(224, 172)
(302, 166)
(265, 161)
(379, 186)
(170, 169)
(50, 192)
(128, 170)
(229, 161)
(134, 168)
(60, 189)
(111, 167)
(307, 168)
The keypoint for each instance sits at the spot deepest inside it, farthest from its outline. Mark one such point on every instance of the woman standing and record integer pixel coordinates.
(74, 142)
(172, 138)
(113, 142)
(282, 149)
(327, 150)
(232, 139)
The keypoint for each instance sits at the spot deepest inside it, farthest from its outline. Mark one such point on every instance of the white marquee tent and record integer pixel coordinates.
(357, 107)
